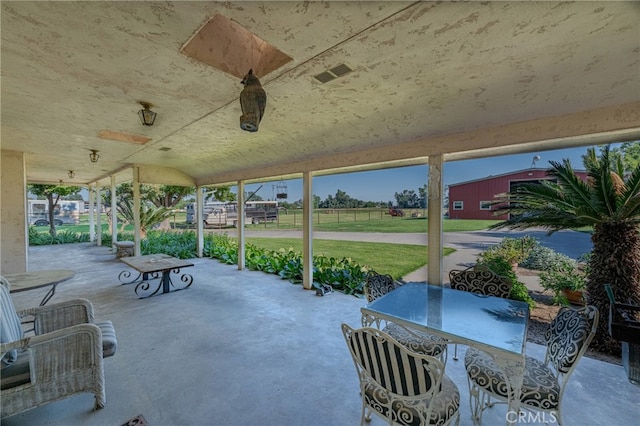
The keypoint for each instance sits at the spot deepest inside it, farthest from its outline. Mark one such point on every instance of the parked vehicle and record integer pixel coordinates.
(393, 211)
(226, 214)
(65, 212)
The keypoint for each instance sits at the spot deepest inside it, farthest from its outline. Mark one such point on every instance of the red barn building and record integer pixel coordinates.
(471, 199)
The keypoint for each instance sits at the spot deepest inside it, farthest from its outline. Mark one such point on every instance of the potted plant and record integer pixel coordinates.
(567, 280)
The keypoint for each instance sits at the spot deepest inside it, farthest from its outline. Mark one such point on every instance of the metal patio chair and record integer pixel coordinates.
(398, 385)
(479, 280)
(544, 383)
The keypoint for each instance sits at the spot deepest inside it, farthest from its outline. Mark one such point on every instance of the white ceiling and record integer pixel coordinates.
(462, 79)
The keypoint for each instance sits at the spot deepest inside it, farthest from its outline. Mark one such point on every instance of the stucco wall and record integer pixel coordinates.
(14, 242)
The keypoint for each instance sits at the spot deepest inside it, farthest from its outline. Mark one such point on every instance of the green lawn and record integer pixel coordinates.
(396, 260)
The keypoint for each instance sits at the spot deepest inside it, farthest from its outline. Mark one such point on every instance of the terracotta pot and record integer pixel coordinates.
(575, 297)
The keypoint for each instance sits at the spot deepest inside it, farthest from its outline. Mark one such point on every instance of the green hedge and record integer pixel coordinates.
(342, 275)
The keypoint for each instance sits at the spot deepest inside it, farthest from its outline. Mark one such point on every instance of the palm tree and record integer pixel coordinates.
(604, 202)
(149, 214)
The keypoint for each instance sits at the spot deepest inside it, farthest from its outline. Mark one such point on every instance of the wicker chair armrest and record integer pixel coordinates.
(61, 351)
(61, 315)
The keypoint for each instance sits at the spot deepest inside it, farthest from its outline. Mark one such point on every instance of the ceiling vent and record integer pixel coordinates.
(333, 73)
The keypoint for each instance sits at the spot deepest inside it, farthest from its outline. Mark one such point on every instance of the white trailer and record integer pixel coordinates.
(66, 212)
(226, 214)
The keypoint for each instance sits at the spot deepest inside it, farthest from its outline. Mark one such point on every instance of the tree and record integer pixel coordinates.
(254, 197)
(52, 193)
(407, 199)
(222, 193)
(422, 196)
(161, 196)
(604, 202)
(630, 155)
(168, 195)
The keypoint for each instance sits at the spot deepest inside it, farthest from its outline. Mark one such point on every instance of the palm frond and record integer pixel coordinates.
(572, 186)
(631, 186)
(604, 190)
(149, 215)
(630, 210)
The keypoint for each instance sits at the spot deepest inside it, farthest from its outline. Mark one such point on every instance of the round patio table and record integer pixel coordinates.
(24, 281)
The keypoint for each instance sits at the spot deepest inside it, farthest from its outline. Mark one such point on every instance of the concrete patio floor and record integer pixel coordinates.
(246, 348)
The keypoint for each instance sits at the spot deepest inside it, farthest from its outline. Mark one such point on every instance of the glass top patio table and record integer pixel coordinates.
(484, 321)
(495, 325)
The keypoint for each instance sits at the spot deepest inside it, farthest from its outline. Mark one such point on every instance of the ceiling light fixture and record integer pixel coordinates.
(71, 174)
(94, 156)
(147, 117)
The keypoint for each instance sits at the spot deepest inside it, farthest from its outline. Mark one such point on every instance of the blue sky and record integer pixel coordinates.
(381, 185)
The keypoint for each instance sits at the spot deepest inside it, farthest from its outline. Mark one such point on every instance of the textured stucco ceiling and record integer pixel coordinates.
(462, 79)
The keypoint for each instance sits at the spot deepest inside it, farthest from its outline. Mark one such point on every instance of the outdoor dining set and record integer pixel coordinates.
(400, 353)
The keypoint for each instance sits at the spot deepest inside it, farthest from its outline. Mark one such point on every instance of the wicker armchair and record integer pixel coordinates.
(63, 358)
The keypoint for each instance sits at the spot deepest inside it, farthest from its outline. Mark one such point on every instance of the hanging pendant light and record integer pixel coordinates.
(147, 117)
(94, 156)
(253, 100)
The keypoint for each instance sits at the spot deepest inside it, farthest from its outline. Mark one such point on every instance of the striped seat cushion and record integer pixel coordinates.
(10, 326)
(109, 341)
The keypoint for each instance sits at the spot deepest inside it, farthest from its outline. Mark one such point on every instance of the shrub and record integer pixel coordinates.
(38, 238)
(177, 244)
(493, 260)
(513, 250)
(542, 258)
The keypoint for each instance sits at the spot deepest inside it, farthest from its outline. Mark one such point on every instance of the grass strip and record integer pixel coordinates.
(395, 259)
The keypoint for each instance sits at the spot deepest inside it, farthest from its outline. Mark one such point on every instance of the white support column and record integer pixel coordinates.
(136, 211)
(92, 213)
(14, 223)
(307, 231)
(199, 222)
(99, 213)
(434, 221)
(240, 224)
(114, 214)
